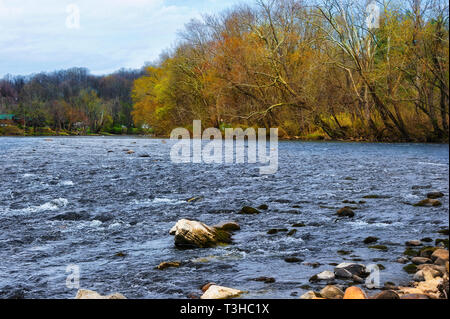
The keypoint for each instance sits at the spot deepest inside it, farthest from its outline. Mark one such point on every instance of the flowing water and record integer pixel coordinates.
(86, 202)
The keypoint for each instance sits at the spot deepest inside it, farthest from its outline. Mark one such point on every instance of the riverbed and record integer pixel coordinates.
(85, 201)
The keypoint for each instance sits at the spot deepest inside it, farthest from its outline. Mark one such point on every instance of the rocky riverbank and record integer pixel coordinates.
(428, 266)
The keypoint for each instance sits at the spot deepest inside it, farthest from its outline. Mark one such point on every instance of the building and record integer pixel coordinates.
(6, 119)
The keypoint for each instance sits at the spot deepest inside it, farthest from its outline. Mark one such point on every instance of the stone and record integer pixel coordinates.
(90, 294)
(292, 260)
(325, 275)
(387, 294)
(370, 240)
(353, 268)
(428, 203)
(194, 234)
(434, 195)
(331, 292)
(168, 264)
(130, 152)
(413, 243)
(345, 212)
(354, 293)
(263, 207)
(402, 260)
(440, 256)
(219, 292)
(247, 210)
(342, 273)
(309, 295)
(419, 276)
(266, 280)
(206, 287)
(228, 226)
(421, 260)
(414, 296)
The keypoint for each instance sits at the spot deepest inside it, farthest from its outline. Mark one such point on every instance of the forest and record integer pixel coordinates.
(314, 69)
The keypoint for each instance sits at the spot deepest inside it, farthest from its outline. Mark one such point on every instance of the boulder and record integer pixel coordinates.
(387, 294)
(325, 275)
(440, 256)
(370, 240)
(332, 292)
(434, 195)
(90, 294)
(421, 260)
(309, 295)
(228, 226)
(353, 268)
(342, 273)
(354, 293)
(219, 292)
(345, 212)
(194, 234)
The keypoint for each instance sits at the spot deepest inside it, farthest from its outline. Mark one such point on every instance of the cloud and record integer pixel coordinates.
(112, 34)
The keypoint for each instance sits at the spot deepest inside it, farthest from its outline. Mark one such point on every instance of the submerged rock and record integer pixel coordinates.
(194, 234)
(434, 195)
(90, 294)
(263, 207)
(228, 226)
(370, 240)
(345, 212)
(219, 292)
(428, 203)
(266, 280)
(168, 264)
(247, 210)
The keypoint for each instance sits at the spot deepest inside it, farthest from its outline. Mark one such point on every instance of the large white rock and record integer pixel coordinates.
(90, 294)
(219, 292)
(194, 234)
(325, 275)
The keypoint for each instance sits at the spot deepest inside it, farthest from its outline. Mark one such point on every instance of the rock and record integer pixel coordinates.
(263, 207)
(410, 268)
(428, 203)
(194, 199)
(443, 231)
(402, 260)
(434, 195)
(332, 292)
(419, 276)
(342, 273)
(130, 152)
(325, 275)
(247, 210)
(354, 293)
(219, 292)
(411, 252)
(440, 256)
(292, 232)
(354, 269)
(193, 234)
(345, 212)
(427, 252)
(415, 296)
(309, 295)
(379, 247)
(292, 260)
(168, 264)
(298, 225)
(370, 240)
(427, 240)
(357, 279)
(206, 287)
(228, 226)
(90, 294)
(387, 294)
(436, 269)
(266, 280)
(421, 260)
(413, 243)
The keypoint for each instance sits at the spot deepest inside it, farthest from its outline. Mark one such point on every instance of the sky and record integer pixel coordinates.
(101, 35)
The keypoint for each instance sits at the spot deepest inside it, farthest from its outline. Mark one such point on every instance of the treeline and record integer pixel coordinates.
(70, 101)
(313, 70)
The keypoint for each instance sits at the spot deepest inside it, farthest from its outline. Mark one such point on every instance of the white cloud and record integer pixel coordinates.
(112, 33)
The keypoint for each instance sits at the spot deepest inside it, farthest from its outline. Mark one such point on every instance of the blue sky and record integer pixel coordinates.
(35, 37)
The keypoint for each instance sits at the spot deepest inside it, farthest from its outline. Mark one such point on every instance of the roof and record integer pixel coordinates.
(6, 116)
